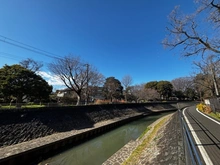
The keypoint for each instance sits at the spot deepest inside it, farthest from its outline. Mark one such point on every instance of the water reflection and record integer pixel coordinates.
(98, 150)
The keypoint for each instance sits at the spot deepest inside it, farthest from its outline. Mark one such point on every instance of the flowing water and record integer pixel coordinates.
(99, 149)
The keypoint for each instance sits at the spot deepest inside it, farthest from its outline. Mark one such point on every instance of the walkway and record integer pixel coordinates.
(206, 133)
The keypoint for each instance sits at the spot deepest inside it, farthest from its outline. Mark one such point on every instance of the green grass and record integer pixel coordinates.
(142, 135)
(33, 106)
(215, 115)
(23, 106)
(7, 107)
(137, 152)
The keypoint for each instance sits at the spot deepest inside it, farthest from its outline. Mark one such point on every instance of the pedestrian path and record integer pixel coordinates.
(206, 134)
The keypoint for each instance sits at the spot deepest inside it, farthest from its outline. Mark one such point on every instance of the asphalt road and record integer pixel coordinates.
(206, 133)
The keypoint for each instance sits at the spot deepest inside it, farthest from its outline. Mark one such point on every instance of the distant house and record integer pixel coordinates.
(94, 93)
(65, 93)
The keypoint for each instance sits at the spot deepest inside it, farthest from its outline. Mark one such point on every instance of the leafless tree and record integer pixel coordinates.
(138, 91)
(75, 74)
(196, 33)
(31, 64)
(126, 82)
(210, 69)
(141, 93)
(182, 83)
(151, 94)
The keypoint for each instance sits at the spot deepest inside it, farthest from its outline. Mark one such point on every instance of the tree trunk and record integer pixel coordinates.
(126, 98)
(18, 101)
(78, 99)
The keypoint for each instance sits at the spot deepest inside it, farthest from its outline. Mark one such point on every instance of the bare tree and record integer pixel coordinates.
(151, 94)
(126, 82)
(31, 64)
(210, 69)
(75, 74)
(182, 83)
(142, 94)
(139, 92)
(96, 80)
(194, 33)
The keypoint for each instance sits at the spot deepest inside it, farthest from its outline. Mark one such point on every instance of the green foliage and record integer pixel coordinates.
(179, 94)
(191, 93)
(112, 88)
(165, 89)
(131, 98)
(21, 83)
(151, 85)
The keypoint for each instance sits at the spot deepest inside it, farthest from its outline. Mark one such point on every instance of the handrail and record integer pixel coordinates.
(190, 147)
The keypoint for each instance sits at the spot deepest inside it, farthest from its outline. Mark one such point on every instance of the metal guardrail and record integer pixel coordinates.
(191, 154)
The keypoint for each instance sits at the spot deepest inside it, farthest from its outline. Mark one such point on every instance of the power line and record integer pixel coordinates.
(9, 56)
(29, 47)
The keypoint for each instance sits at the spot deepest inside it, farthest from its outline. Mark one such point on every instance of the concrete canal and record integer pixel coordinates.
(99, 149)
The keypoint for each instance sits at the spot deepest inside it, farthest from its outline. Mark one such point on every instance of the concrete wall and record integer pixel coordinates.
(18, 126)
(22, 125)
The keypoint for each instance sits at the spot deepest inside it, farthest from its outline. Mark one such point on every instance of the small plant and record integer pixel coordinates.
(142, 135)
(201, 107)
(218, 114)
(215, 115)
(204, 108)
(207, 109)
(102, 102)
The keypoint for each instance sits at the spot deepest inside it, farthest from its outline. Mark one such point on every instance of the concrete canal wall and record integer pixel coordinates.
(28, 134)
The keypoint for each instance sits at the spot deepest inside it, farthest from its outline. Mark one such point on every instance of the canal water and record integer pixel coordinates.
(99, 149)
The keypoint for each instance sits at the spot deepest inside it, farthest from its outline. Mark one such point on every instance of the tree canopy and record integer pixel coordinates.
(21, 83)
(164, 88)
(112, 88)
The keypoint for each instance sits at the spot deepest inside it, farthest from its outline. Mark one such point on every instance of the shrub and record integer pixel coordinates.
(102, 101)
(204, 108)
(201, 107)
(208, 109)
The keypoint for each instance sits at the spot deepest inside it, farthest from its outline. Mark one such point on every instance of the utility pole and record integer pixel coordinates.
(87, 83)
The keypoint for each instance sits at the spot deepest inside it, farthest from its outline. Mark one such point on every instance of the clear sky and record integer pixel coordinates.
(119, 37)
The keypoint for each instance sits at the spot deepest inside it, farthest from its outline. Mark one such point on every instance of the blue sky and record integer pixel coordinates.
(119, 37)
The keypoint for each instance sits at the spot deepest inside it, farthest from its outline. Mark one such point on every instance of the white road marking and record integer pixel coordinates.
(198, 142)
(208, 117)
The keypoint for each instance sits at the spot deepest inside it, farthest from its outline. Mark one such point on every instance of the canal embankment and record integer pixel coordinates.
(64, 127)
(161, 143)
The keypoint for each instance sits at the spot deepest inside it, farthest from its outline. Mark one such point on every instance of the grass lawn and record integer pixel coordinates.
(23, 106)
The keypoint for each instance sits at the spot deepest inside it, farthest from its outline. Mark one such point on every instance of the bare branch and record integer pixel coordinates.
(185, 30)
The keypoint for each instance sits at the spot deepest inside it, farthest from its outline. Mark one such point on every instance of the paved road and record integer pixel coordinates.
(206, 133)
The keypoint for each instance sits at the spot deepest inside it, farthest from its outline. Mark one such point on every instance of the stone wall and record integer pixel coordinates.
(22, 125)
